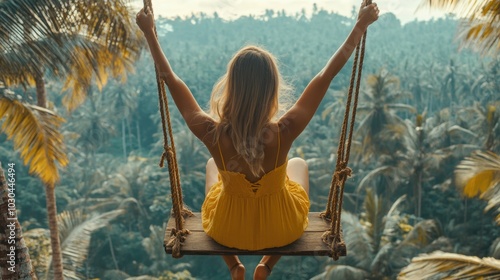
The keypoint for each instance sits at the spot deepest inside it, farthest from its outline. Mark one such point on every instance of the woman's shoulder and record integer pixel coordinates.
(284, 130)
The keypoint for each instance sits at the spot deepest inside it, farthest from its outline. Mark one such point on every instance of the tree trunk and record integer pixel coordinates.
(139, 137)
(419, 168)
(124, 140)
(418, 211)
(41, 95)
(130, 135)
(50, 197)
(14, 264)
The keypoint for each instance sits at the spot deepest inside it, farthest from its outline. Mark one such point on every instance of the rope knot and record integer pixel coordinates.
(327, 214)
(168, 153)
(342, 171)
(177, 238)
(335, 243)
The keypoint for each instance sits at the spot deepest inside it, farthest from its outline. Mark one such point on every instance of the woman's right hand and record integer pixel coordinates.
(368, 14)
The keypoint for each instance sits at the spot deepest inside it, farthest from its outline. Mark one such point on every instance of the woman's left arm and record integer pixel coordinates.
(197, 120)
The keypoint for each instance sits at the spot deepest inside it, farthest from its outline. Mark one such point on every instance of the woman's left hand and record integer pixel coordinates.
(145, 20)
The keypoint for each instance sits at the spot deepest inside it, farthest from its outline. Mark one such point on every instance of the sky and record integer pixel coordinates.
(405, 10)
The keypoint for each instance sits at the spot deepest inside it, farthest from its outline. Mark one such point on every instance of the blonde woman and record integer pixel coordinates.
(255, 197)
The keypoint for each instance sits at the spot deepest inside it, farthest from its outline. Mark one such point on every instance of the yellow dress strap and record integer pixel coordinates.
(221, 157)
(279, 143)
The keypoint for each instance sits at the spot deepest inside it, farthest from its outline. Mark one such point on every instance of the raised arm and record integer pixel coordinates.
(296, 119)
(196, 119)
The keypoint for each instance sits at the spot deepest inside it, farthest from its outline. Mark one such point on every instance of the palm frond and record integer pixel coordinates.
(381, 259)
(455, 129)
(35, 133)
(492, 195)
(372, 175)
(154, 243)
(75, 231)
(481, 36)
(423, 233)
(464, 8)
(375, 210)
(482, 29)
(395, 205)
(357, 239)
(402, 107)
(477, 173)
(440, 265)
(345, 272)
(80, 40)
(495, 249)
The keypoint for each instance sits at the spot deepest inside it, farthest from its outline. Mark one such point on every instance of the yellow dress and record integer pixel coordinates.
(271, 212)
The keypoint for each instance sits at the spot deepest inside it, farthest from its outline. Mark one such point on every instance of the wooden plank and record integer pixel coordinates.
(198, 243)
(194, 223)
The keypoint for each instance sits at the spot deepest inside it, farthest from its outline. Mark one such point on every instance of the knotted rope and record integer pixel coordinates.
(333, 237)
(178, 233)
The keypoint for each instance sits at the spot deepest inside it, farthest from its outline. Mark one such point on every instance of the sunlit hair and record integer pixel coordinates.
(245, 100)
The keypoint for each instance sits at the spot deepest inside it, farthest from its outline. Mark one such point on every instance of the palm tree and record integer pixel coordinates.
(123, 102)
(79, 40)
(486, 121)
(481, 30)
(426, 152)
(378, 108)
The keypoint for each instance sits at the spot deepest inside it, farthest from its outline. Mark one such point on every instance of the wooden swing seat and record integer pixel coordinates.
(199, 243)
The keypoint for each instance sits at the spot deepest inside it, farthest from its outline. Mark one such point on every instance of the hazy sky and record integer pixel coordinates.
(405, 10)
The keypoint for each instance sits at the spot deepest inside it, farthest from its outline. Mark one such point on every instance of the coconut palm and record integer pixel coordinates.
(485, 121)
(378, 109)
(123, 102)
(481, 30)
(80, 41)
(426, 152)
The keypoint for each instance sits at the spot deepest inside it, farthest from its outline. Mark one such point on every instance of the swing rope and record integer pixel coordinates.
(178, 234)
(333, 237)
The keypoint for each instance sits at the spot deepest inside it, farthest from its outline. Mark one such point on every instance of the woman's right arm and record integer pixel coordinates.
(198, 121)
(296, 119)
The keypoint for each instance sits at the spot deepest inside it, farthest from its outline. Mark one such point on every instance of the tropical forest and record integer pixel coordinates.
(81, 139)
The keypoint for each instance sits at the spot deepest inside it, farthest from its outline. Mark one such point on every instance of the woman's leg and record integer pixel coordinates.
(236, 268)
(297, 171)
(265, 266)
(211, 175)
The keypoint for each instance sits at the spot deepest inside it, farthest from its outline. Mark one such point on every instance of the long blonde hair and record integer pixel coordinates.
(245, 100)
